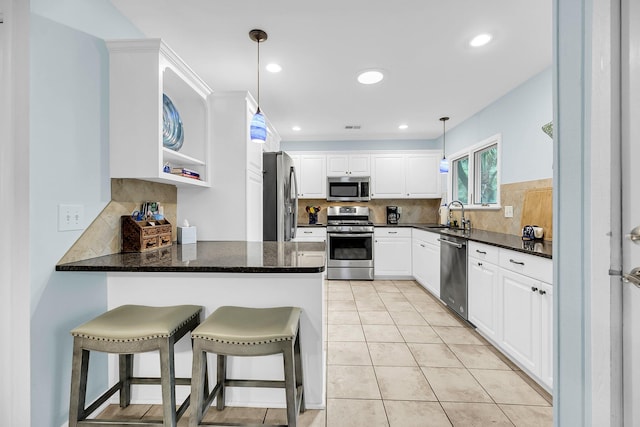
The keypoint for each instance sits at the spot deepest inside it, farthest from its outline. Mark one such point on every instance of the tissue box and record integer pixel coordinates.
(186, 235)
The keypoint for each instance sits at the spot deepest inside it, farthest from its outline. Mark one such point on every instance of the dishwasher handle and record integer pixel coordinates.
(457, 245)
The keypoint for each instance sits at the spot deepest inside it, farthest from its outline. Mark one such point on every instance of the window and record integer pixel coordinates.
(475, 174)
(460, 177)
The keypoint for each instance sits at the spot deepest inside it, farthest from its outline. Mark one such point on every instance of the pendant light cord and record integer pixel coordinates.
(444, 136)
(258, 41)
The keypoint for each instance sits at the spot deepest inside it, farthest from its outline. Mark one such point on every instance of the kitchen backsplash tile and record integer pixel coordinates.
(102, 236)
(423, 211)
(510, 195)
(420, 211)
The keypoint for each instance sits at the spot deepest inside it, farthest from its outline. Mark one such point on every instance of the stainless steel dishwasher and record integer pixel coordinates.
(453, 273)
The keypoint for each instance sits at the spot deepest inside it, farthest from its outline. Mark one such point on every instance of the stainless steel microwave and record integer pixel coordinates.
(348, 189)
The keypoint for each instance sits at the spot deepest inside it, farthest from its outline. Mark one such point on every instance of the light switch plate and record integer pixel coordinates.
(70, 217)
(508, 211)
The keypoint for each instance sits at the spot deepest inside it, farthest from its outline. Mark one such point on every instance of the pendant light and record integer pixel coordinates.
(258, 128)
(444, 163)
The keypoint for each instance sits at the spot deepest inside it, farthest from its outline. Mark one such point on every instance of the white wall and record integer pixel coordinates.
(69, 163)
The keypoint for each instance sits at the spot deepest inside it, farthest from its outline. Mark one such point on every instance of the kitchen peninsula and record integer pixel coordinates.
(213, 274)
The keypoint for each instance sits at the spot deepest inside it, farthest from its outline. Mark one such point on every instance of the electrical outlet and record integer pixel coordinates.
(399, 209)
(508, 211)
(70, 217)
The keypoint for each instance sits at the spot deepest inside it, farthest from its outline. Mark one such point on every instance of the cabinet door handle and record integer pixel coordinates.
(541, 292)
(393, 232)
(308, 232)
(422, 245)
(408, 194)
(480, 264)
(516, 262)
(534, 289)
(481, 252)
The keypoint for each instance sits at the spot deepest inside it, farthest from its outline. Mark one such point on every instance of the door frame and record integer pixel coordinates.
(587, 300)
(15, 285)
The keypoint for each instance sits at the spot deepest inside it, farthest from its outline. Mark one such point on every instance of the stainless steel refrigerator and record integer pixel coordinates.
(280, 197)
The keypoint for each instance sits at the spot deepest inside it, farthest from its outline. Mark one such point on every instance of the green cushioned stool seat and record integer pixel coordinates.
(244, 331)
(125, 331)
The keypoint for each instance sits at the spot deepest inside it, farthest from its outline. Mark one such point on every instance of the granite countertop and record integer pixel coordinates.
(542, 248)
(211, 257)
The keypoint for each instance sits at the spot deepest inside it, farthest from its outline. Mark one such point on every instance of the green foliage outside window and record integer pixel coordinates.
(461, 180)
(488, 175)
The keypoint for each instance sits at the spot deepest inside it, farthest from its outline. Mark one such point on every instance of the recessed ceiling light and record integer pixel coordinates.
(274, 68)
(480, 40)
(296, 128)
(403, 127)
(370, 77)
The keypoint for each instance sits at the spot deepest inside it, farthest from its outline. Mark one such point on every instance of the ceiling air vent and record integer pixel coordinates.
(352, 127)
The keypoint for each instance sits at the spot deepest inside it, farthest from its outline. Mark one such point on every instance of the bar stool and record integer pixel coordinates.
(242, 331)
(127, 330)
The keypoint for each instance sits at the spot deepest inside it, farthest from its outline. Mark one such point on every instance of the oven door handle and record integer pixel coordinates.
(350, 234)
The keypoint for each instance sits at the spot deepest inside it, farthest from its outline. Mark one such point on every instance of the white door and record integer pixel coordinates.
(631, 208)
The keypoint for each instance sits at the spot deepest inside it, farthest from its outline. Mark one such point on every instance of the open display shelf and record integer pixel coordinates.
(141, 71)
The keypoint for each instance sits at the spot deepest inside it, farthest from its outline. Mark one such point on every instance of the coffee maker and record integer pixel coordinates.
(393, 215)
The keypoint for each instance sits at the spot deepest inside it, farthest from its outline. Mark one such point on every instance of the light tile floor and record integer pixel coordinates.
(397, 357)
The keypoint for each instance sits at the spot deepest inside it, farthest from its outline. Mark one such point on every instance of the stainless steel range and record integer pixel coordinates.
(349, 243)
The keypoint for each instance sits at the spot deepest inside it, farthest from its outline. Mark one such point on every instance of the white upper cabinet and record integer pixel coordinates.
(312, 175)
(405, 175)
(140, 72)
(422, 179)
(348, 164)
(387, 176)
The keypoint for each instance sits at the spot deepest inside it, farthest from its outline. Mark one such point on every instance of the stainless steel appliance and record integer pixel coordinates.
(348, 189)
(279, 197)
(349, 243)
(453, 273)
(393, 215)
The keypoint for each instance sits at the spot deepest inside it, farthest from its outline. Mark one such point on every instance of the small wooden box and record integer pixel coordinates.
(145, 235)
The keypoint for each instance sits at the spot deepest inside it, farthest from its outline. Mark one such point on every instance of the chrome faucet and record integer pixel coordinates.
(465, 223)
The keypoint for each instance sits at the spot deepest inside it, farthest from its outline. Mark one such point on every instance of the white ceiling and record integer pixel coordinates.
(422, 45)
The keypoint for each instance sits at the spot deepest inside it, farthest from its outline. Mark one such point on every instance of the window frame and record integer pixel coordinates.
(474, 171)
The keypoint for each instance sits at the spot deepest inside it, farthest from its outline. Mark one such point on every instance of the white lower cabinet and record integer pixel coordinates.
(482, 277)
(392, 252)
(310, 234)
(521, 319)
(426, 260)
(511, 303)
(526, 314)
(546, 334)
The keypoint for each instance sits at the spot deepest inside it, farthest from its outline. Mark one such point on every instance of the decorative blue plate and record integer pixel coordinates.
(172, 133)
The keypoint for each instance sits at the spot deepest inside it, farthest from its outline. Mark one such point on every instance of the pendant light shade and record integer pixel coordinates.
(258, 128)
(444, 163)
